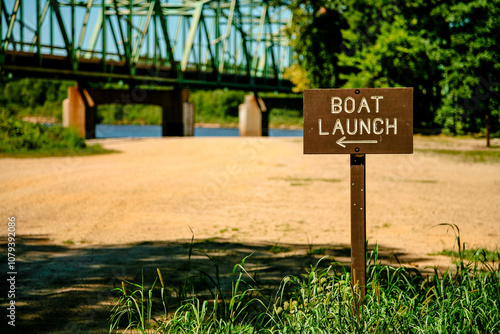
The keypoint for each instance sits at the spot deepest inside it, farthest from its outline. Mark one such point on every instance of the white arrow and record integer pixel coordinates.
(342, 141)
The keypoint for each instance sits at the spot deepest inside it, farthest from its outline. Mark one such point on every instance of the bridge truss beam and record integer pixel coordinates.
(205, 43)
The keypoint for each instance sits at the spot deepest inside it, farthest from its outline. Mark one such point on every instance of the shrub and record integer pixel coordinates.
(20, 138)
(17, 135)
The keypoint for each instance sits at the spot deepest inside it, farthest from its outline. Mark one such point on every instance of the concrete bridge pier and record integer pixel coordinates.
(253, 117)
(74, 111)
(254, 113)
(80, 108)
(172, 105)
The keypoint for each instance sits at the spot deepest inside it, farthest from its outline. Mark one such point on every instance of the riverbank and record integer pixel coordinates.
(292, 125)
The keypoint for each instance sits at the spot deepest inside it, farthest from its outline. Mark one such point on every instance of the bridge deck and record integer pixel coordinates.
(25, 64)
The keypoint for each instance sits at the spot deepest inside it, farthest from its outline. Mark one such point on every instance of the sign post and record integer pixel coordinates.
(358, 122)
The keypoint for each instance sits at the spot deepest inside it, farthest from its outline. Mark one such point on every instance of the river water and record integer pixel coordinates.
(119, 131)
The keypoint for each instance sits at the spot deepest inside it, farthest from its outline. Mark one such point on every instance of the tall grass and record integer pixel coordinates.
(463, 299)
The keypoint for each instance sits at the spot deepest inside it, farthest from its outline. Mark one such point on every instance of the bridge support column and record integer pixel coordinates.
(188, 118)
(173, 111)
(90, 113)
(79, 112)
(265, 123)
(90, 122)
(253, 118)
(74, 111)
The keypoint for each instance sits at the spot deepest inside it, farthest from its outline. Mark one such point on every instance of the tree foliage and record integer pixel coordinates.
(27, 96)
(446, 49)
(217, 104)
(471, 64)
(20, 136)
(316, 40)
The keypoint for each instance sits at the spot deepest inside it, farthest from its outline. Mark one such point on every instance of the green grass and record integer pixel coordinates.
(420, 181)
(469, 156)
(304, 181)
(58, 152)
(464, 299)
(224, 122)
(475, 254)
(286, 118)
(276, 249)
(316, 251)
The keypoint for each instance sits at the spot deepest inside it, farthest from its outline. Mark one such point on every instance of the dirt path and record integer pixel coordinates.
(85, 223)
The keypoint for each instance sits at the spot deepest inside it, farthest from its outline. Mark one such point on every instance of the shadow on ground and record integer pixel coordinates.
(68, 289)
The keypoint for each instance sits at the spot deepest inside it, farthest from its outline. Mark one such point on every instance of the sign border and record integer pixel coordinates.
(317, 103)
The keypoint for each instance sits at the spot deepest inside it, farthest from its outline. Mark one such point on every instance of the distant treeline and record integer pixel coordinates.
(37, 97)
(448, 50)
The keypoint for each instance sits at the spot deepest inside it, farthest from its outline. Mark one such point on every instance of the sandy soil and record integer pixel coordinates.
(85, 223)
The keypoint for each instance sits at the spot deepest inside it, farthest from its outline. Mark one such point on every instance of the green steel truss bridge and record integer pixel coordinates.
(236, 44)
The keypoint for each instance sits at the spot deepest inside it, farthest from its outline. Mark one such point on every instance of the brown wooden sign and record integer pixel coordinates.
(358, 121)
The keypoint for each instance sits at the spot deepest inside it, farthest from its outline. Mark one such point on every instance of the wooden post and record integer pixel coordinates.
(487, 129)
(358, 227)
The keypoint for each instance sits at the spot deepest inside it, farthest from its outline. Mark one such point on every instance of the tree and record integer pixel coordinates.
(386, 45)
(446, 49)
(317, 41)
(471, 65)
(370, 43)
